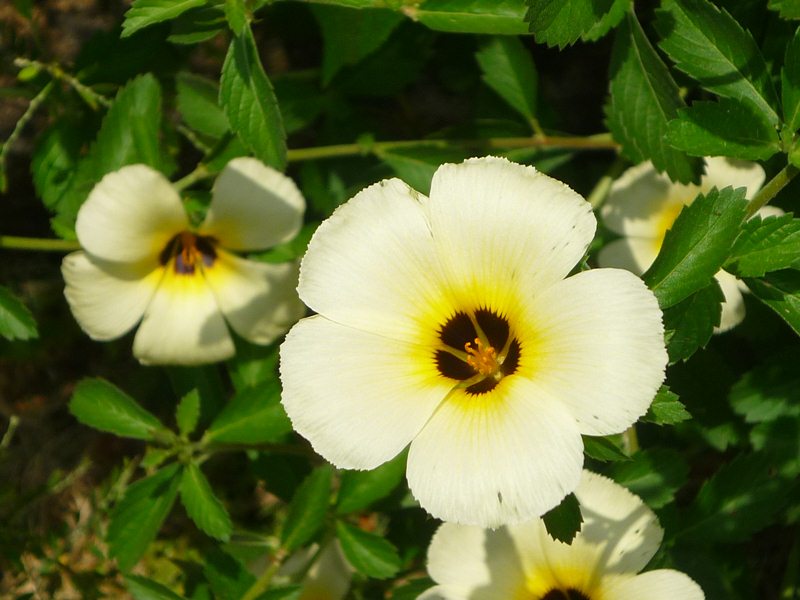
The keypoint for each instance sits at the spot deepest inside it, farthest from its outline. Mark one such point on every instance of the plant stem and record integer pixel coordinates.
(13, 422)
(600, 191)
(42, 244)
(92, 98)
(630, 441)
(262, 583)
(200, 172)
(771, 189)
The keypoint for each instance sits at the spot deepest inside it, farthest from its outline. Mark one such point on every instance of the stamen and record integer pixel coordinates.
(482, 358)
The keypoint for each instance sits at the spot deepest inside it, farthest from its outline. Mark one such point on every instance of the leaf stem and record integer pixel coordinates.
(600, 191)
(200, 172)
(92, 98)
(41, 244)
(630, 441)
(262, 583)
(771, 189)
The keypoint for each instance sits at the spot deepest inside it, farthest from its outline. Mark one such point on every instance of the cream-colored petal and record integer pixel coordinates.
(130, 216)
(596, 344)
(663, 584)
(258, 300)
(770, 211)
(182, 324)
(629, 253)
(359, 398)
(372, 265)
(329, 577)
(108, 299)
(253, 206)
(733, 309)
(504, 456)
(723, 172)
(503, 231)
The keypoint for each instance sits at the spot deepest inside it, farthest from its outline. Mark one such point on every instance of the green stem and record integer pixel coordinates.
(42, 244)
(200, 172)
(771, 189)
(13, 422)
(92, 98)
(600, 191)
(630, 441)
(262, 583)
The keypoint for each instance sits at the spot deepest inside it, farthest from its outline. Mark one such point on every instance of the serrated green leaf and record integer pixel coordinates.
(236, 15)
(666, 409)
(780, 290)
(359, 489)
(697, 245)
(100, 404)
(507, 68)
(564, 521)
(144, 13)
(54, 161)
(689, 324)
(254, 416)
(349, 36)
(142, 588)
(506, 17)
(16, 321)
(417, 165)
(768, 391)
(249, 102)
(202, 506)
(643, 99)
(368, 553)
(562, 22)
(187, 412)
(228, 577)
(655, 475)
(765, 245)
(308, 508)
(197, 103)
(608, 21)
(197, 25)
(790, 83)
(136, 519)
(706, 43)
(788, 9)
(603, 449)
(726, 128)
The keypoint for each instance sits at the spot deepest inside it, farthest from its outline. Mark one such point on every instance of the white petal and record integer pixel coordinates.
(733, 307)
(359, 398)
(505, 456)
(663, 584)
(770, 211)
(107, 299)
(501, 228)
(253, 206)
(259, 300)
(130, 215)
(183, 324)
(329, 577)
(722, 172)
(624, 530)
(598, 347)
(472, 562)
(372, 266)
(630, 253)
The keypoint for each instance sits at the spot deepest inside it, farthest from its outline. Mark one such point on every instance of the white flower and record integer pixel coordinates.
(643, 204)
(142, 261)
(446, 323)
(618, 537)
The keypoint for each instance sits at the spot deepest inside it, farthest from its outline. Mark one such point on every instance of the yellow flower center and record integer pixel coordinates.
(482, 358)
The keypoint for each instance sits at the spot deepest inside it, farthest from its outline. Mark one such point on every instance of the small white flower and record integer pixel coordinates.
(643, 204)
(447, 323)
(618, 537)
(142, 261)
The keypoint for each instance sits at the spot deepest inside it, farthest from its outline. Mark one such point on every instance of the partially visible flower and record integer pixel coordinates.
(328, 578)
(643, 204)
(617, 539)
(447, 323)
(143, 261)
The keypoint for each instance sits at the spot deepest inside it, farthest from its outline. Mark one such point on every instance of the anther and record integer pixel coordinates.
(483, 359)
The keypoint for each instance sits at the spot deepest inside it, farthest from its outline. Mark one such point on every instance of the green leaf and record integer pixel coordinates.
(709, 45)
(603, 449)
(290, 592)
(417, 165)
(655, 475)
(142, 588)
(780, 290)
(726, 128)
(508, 69)
(236, 15)
(54, 161)
(690, 323)
(136, 519)
(608, 21)
(562, 22)
(144, 13)
(788, 9)
(197, 103)
(564, 521)
(197, 25)
(228, 577)
(16, 321)
(349, 36)
(697, 245)
(249, 102)
(768, 391)
(308, 508)
(187, 412)
(300, 100)
(368, 553)
(666, 409)
(254, 416)
(643, 98)
(506, 17)
(765, 245)
(790, 83)
(99, 404)
(202, 506)
(359, 489)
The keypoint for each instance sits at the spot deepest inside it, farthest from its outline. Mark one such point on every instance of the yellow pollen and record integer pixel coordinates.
(190, 255)
(482, 358)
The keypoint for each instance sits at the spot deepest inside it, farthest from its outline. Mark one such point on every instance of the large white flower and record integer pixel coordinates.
(446, 322)
(143, 261)
(643, 204)
(618, 537)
